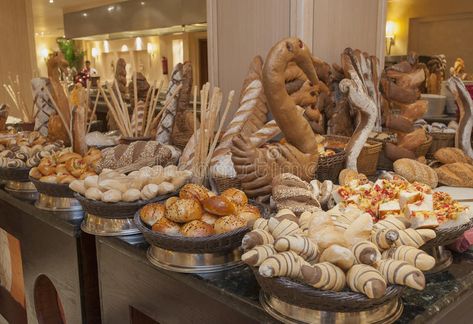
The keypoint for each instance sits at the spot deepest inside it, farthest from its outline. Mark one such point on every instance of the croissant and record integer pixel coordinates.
(392, 222)
(384, 238)
(366, 252)
(256, 237)
(261, 223)
(258, 254)
(285, 264)
(401, 273)
(324, 276)
(367, 280)
(302, 245)
(411, 255)
(283, 228)
(415, 238)
(338, 255)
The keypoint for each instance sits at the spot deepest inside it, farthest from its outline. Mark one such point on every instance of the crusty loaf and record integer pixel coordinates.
(448, 155)
(457, 174)
(416, 171)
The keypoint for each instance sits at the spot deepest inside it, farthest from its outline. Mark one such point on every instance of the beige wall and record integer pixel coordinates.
(400, 11)
(42, 43)
(17, 46)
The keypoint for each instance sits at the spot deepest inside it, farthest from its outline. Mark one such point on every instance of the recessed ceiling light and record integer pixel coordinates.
(51, 1)
(85, 14)
(142, 3)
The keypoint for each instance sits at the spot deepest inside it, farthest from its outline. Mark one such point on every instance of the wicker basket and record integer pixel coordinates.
(115, 210)
(180, 140)
(329, 167)
(447, 235)
(15, 174)
(224, 183)
(210, 244)
(368, 160)
(302, 295)
(53, 189)
(440, 140)
(424, 148)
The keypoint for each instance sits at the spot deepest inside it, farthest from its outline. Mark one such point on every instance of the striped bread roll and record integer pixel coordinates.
(324, 276)
(282, 228)
(258, 254)
(261, 223)
(392, 222)
(401, 273)
(338, 255)
(411, 255)
(341, 226)
(366, 280)
(302, 245)
(384, 238)
(269, 131)
(286, 214)
(366, 252)
(256, 237)
(304, 221)
(285, 264)
(415, 238)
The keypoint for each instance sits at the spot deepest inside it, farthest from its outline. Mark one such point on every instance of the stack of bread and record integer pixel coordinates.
(414, 201)
(111, 186)
(337, 249)
(65, 166)
(198, 212)
(25, 150)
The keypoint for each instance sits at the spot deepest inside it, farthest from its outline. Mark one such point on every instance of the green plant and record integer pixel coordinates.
(73, 55)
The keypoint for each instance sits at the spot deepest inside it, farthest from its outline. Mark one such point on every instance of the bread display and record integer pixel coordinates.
(198, 212)
(63, 167)
(144, 184)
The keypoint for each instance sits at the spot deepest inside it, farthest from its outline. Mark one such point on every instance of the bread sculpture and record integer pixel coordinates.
(44, 106)
(198, 212)
(400, 86)
(465, 106)
(458, 70)
(361, 90)
(324, 258)
(142, 87)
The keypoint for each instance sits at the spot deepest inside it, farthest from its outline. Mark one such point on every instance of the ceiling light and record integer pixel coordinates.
(84, 14)
(142, 3)
(111, 8)
(51, 1)
(124, 48)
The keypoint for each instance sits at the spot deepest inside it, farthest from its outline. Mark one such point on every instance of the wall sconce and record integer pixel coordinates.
(390, 35)
(124, 48)
(151, 49)
(95, 52)
(106, 46)
(44, 53)
(138, 44)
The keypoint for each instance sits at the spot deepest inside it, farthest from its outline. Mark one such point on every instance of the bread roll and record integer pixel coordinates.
(228, 223)
(384, 238)
(366, 252)
(194, 191)
(366, 280)
(286, 214)
(338, 255)
(415, 237)
(411, 255)
(91, 181)
(151, 213)
(184, 210)
(236, 196)
(324, 276)
(348, 175)
(392, 222)
(282, 228)
(49, 179)
(256, 237)
(327, 236)
(304, 221)
(416, 171)
(219, 205)
(249, 213)
(359, 230)
(447, 155)
(93, 193)
(261, 223)
(285, 264)
(131, 195)
(165, 226)
(301, 245)
(170, 201)
(456, 174)
(258, 254)
(197, 228)
(209, 218)
(112, 196)
(78, 186)
(401, 273)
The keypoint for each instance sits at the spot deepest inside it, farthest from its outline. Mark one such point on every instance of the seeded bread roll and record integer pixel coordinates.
(456, 174)
(151, 213)
(183, 210)
(197, 228)
(416, 171)
(219, 205)
(249, 213)
(236, 196)
(194, 191)
(228, 223)
(165, 226)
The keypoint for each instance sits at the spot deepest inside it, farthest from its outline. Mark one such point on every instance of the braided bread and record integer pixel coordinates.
(411, 255)
(401, 273)
(299, 244)
(366, 252)
(367, 280)
(324, 276)
(258, 254)
(285, 264)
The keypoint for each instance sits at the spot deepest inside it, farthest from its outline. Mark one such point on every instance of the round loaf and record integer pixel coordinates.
(416, 171)
(209, 218)
(184, 210)
(197, 228)
(236, 196)
(219, 205)
(165, 226)
(151, 213)
(228, 223)
(194, 191)
(249, 213)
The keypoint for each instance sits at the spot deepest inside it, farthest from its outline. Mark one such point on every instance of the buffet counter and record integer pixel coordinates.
(133, 290)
